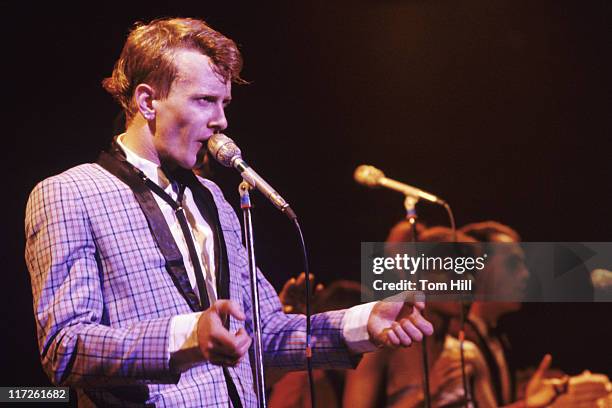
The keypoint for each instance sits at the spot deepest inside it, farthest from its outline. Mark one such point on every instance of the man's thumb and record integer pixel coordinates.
(228, 307)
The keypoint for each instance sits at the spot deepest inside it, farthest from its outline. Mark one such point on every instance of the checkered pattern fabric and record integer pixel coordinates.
(103, 300)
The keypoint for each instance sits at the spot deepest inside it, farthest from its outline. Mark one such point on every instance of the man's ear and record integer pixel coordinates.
(144, 95)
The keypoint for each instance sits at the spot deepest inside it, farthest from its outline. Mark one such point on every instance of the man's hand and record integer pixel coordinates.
(586, 390)
(216, 343)
(293, 294)
(542, 392)
(398, 323)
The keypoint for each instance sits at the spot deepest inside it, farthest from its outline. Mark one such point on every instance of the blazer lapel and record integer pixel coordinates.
(116, 164)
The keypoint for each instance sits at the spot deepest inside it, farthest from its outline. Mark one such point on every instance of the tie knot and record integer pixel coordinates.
(180, 191)
(166, 178)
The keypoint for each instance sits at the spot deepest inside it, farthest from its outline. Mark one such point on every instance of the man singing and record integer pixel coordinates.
(137, 267)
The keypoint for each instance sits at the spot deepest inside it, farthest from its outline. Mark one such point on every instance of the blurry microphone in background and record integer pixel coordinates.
(372, 177)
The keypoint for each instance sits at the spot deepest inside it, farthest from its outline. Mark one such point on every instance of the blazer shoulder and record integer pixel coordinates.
(82, 178)
(212, 186)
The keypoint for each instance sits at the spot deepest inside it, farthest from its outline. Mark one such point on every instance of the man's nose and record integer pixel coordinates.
(218, 122)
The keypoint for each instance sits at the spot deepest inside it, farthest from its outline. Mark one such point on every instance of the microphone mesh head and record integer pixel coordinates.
(368, 175)
(223, 149)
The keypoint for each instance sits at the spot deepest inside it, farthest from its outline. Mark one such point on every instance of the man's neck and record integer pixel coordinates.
(139, 139)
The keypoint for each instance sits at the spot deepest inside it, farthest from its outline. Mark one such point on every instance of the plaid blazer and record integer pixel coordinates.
(103, 300)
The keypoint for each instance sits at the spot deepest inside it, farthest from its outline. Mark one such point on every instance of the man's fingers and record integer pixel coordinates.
(416, 299)
(227, 307)
(404, 338)
(414, 333)
(421, 323)
(287, 287)
(223, 359)
(226, 343)
(243, 340)
(301, 279)
(390, 338)
(232, 345)
(216, 343)
(225, 348)
(544, 365)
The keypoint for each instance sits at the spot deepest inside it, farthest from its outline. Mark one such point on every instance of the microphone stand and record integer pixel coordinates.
(411, 216)
(245, 204)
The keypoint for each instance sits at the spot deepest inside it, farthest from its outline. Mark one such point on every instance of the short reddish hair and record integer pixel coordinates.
(147, 57)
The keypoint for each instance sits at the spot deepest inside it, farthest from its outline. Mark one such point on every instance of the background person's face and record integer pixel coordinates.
(192, 112)
(506, 272)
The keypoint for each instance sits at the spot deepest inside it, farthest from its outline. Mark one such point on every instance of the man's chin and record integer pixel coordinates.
(173, 163)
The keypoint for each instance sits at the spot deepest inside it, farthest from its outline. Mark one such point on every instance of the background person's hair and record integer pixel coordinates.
(402, 231)
(148, 53)
(486, 231)
(444, 234)
(340, 294)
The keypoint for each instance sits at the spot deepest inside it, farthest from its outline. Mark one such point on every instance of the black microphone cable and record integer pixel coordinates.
(462, 353)
(308, 315)
(464, 380)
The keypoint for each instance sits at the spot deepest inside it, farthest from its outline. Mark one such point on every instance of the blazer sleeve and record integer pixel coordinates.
(76, 346)
(284, 335)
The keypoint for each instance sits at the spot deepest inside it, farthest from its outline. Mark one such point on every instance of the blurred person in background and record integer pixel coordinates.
(292, 390)
(393, 378)
(505, 277)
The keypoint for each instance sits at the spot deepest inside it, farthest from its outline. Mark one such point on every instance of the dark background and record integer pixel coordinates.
(500, 107)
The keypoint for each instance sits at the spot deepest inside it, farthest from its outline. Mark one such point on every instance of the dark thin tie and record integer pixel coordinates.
(179, 211)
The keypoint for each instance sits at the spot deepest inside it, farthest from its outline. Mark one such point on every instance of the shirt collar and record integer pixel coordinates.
(150, 169)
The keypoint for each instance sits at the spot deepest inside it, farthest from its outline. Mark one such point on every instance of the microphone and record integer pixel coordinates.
(372, 177)
(224, 150)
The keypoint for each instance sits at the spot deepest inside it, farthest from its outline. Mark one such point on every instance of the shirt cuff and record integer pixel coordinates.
(183, 345)
(355, 328)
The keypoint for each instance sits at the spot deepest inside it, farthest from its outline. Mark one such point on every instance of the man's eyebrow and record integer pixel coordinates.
(206, 94)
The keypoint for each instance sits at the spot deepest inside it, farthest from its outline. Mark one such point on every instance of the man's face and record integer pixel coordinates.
(507, 271)
(192, 112)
